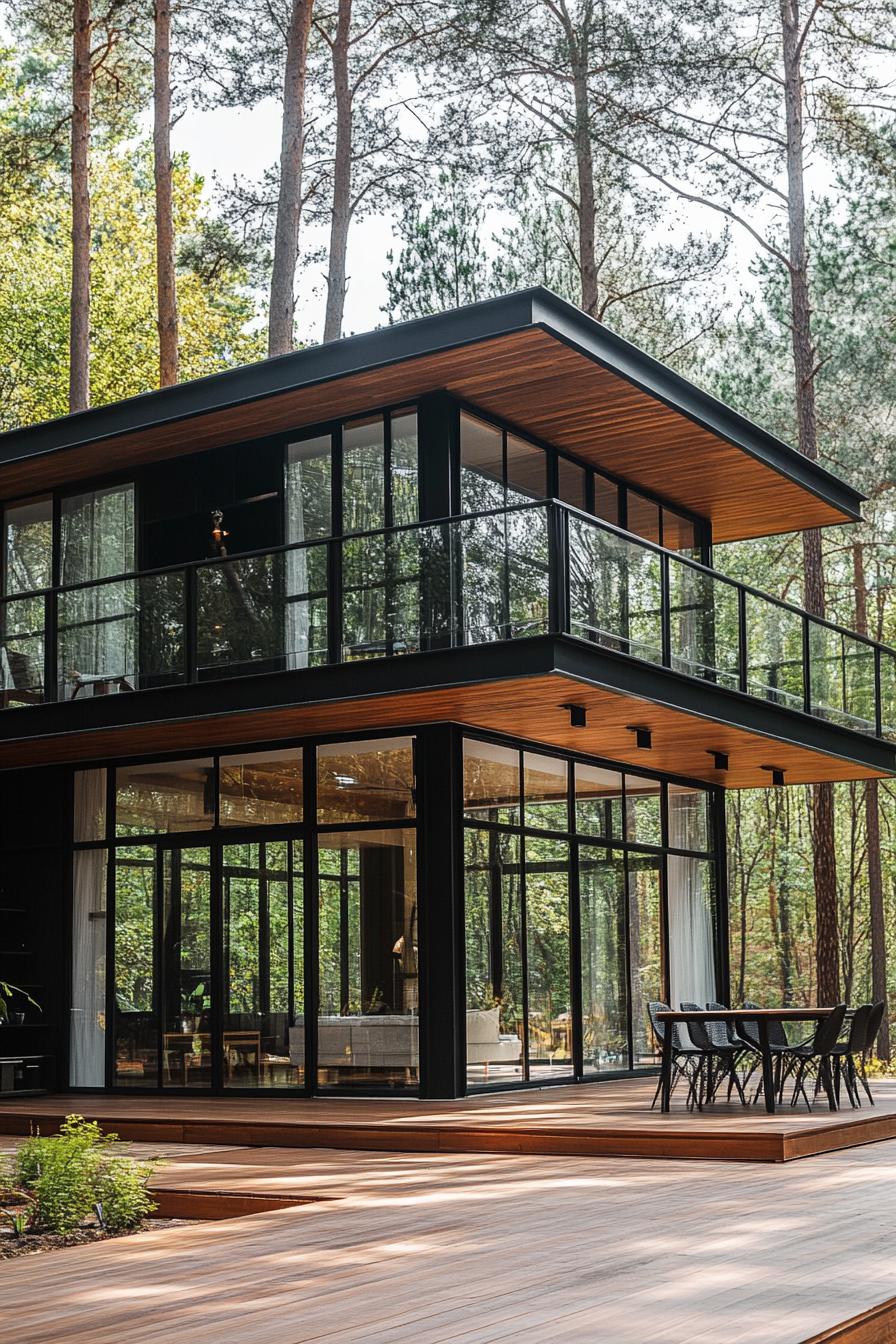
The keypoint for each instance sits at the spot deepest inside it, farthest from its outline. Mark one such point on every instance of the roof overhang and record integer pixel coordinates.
(530, 358)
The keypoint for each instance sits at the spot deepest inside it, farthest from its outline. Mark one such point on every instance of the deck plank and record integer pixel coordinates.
(591, 1120)
(451, 1248)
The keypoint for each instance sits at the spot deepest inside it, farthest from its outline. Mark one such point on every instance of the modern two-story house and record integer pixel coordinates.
(369, 711)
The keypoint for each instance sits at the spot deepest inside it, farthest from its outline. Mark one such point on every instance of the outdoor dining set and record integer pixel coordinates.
(717, 1051)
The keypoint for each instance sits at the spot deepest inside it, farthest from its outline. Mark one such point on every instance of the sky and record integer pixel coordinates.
(224, 143)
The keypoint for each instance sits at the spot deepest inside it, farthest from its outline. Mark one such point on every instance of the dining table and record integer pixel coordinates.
(735, 1017)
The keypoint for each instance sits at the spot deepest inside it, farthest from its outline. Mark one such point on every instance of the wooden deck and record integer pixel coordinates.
(486, 1248)
(610, 1119)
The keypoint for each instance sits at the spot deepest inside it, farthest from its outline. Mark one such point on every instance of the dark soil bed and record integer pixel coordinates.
(33, 1243)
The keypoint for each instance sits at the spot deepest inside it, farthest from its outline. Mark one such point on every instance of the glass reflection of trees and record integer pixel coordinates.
(534, 867)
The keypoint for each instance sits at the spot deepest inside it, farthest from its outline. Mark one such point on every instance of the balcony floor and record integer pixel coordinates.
(601, 1119)
(520, 689)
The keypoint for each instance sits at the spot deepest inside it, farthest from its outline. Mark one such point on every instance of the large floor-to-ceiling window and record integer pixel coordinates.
(589, 893)
(196, 884)
(250, 920)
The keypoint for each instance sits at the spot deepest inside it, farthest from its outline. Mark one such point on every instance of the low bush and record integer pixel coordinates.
(69, 1177)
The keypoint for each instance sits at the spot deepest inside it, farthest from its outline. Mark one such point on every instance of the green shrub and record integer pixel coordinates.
(66, 1176)
(122, 1194)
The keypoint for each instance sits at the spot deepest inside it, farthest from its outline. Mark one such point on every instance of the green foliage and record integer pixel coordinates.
(7, 993)
(214, 298)
(64, 1177)
(441, 263)
(121, 1192)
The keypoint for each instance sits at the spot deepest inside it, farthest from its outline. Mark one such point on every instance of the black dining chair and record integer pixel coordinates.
(817, 1054)
(846, 1052)
(872, 1027)
(726, 1031)
(721, 1056)
(687, 1061)
(778, 1045)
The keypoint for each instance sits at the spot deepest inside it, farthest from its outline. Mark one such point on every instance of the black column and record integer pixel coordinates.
(718, 802)
(437, 424)
(440, 881)
(437, 456)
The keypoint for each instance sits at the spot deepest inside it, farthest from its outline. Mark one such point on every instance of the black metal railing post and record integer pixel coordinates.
(742, 647)
(878, 697)
(558, 570)
(191, 625)
(665, 612)
(807, 666)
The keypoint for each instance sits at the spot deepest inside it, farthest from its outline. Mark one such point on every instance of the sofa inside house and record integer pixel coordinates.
(486, 1044)
(363, 1041)
(392, 1041)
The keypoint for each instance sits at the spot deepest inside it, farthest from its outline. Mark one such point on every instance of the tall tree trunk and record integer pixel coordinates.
(577, 47)
(342, 177)
(281, 318)
(872, 839)
(79, 312)
(827, 952)
(166, 283)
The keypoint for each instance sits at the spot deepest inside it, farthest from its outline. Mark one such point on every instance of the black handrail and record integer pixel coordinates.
(569, 509)
(556, 568)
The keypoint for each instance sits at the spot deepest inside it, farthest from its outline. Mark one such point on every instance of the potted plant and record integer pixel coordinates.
(7, 991)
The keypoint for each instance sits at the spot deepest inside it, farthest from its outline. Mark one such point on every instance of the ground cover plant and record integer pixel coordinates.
(74, 1185)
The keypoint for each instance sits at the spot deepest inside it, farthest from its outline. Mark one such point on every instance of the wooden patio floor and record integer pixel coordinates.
(476, 1248)
(591, 1120)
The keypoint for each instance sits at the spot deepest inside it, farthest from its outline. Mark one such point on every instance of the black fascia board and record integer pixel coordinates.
(390, 345)
(508, 661)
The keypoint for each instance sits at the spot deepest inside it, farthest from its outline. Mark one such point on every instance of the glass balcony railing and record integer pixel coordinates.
(499, 575)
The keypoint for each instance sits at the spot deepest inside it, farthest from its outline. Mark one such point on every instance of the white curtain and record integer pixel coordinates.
(88, 1016)
(88, 1012)
(691, 958)
(97, 625)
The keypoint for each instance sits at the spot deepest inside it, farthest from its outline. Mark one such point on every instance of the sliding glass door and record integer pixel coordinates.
(209, 966)
(263, 981)
(604, 962)
(186, 981)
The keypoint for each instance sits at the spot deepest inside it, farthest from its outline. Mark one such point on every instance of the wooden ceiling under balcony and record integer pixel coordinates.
(524, 707)
(530, 378)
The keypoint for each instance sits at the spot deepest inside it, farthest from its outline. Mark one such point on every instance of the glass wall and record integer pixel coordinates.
(27, 569)
(198, 869)
(562, 854)
(259, 911)
(368, 1027)
(499, 469)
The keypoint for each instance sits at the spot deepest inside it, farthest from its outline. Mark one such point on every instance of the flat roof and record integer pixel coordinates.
(529, 358)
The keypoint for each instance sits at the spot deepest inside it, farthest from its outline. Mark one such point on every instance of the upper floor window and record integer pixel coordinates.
(497, 469)
(309, 486)
(28, 545)
(96, 539)
(96, 534)
(379, 477)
